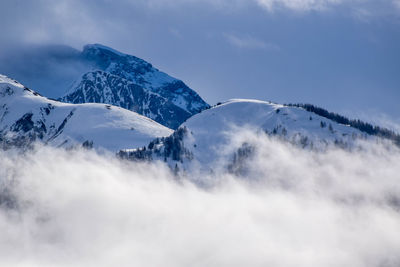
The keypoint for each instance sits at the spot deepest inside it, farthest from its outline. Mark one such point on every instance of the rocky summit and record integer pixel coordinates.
(132, 83)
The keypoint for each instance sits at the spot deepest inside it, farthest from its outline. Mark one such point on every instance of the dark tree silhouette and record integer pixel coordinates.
(358, 124)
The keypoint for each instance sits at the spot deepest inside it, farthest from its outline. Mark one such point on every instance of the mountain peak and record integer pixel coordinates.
(6, 80)
(101, 74)
(132, 83)
(93, 47)
(10, 87)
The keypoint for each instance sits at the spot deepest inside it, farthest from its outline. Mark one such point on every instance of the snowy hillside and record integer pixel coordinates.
(25, 116)
(204, 137)
(109, 73)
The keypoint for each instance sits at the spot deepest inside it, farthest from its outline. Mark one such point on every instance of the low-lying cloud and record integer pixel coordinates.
(293, 207)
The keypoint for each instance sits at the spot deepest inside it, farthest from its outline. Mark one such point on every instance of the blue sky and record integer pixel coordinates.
(341, 55)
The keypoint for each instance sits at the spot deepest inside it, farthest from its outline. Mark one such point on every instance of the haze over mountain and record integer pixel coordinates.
(100, 74)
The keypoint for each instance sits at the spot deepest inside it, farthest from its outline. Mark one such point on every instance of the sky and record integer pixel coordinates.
(342, 55)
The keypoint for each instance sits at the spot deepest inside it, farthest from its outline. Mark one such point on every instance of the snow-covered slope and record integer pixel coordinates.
(103, 87)
(106, 82)
(25, 116)
(203, 138)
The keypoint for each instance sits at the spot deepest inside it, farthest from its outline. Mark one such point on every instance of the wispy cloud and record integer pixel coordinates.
(249, 42)
(274, 5)
(396, 3)
(298, 5)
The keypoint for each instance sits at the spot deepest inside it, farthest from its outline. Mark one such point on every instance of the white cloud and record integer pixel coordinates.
(76, 22)
(396, 3)
(298, 5)
(293, 208)
(377, 8)
(249, 42)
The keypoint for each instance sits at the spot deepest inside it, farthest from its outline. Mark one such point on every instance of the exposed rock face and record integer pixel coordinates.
(102, 87)
(132, 83)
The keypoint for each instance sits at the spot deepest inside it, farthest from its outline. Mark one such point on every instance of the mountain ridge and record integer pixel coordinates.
(27, 117)
(204, 138)
(102, 87)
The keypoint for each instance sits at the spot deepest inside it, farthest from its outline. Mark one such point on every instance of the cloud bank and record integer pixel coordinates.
(292, 208)
(74, 22)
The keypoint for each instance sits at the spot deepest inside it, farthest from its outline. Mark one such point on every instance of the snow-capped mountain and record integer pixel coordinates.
(103, 87)
(203, 138)
(132, 83)
(26, 116)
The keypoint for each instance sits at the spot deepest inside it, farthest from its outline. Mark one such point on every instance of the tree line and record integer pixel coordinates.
(358, 124)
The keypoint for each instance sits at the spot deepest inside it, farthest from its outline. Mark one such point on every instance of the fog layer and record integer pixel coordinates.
(292, 208)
